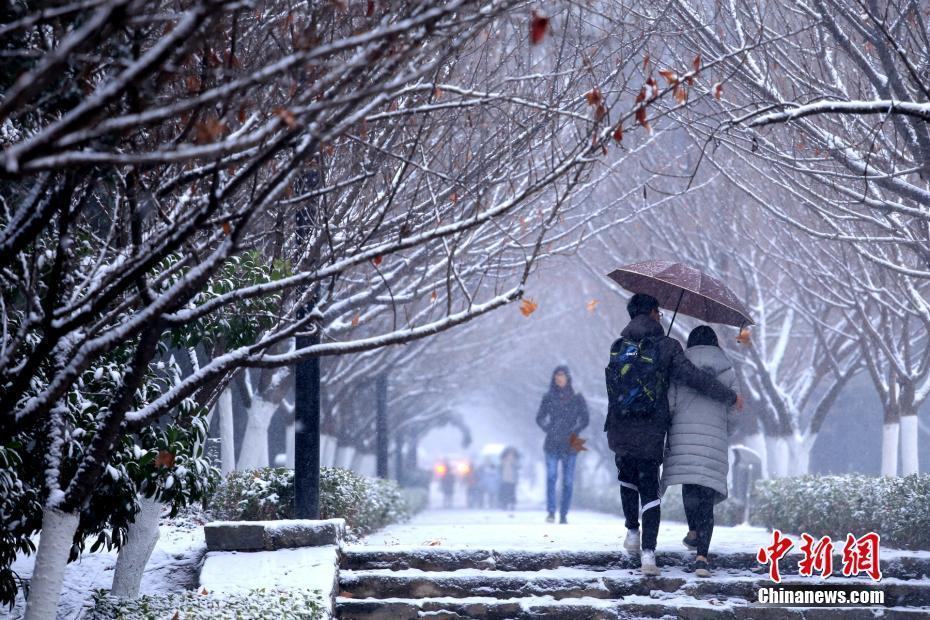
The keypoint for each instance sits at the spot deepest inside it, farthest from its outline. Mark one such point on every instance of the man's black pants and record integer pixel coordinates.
(639, 486)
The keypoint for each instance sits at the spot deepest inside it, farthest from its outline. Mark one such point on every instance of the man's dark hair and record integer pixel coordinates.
(641, 303)
(702, 335)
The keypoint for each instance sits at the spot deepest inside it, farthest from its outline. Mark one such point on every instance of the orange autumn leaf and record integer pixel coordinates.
(696, 63)
(433, 297)
(164, 459)
(356, 320)
(681, 94)
(227, 228)
(287, 116)
(528, 306)
(718, 90)
(670, 76)
(618, 133)
(592, 305)
(376, 261)
(744, 336)
(209, 130)
(645, 62)
(577, 443)
(593, 96)
(654, 87)
(539, 26)
(204, 592)
(641, 117)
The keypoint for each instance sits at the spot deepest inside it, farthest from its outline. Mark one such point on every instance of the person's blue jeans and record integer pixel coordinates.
(568, 480)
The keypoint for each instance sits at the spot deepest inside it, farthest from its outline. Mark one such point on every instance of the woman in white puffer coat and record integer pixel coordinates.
(697, 449)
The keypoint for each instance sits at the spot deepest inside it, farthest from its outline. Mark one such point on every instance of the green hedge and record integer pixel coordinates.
(259, 604)
(366, 504)
(895, 508)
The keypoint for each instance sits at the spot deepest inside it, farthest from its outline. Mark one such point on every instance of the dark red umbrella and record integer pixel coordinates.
(684, 289)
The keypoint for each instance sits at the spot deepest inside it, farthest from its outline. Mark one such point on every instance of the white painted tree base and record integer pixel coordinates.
(909, 432)
(47, 579)
(135, 553)
(890, 434)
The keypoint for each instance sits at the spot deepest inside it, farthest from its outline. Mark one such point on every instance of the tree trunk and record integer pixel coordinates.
(289, 445)
(58, 530)
(224, 407)
(756, 441)
(344, 456)
(135, 553)
(777, 456)
(254, 451)
(327, 450)
(890, 433)
(909, 432)
(800, 451)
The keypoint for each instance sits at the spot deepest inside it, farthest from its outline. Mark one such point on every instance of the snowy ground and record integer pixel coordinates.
(527, 529)
(173, 567)
(585, 530)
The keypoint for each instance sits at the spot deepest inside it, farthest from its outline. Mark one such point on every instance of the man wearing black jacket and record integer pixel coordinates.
(638, 442)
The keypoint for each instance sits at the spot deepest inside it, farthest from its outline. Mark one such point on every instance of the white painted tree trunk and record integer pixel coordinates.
(327, 450)
(367, 465)
(756, 441)
(800, 451)
(344, 456)
(890, 432)
(58, 530)
(289, 446)
(136, 551)
(778, 454)
(254, 451)
(224, 407)
(909, 433)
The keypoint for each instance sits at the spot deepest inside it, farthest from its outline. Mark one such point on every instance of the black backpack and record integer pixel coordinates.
(634, 379)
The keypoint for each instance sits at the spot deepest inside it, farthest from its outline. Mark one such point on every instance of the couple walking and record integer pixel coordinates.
(668, 403)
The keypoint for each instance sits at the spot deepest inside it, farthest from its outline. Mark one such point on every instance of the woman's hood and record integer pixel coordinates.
(707, 356)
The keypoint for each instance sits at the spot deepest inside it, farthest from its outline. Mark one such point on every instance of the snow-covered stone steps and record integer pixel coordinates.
(901, 566)
(569, 583)
(657, 605)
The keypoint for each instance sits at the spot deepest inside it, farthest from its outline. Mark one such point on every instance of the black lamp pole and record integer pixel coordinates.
(381, 424)
(307, 391)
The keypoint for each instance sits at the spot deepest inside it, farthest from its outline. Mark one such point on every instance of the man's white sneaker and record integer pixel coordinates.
(648, 563)
(631, 542)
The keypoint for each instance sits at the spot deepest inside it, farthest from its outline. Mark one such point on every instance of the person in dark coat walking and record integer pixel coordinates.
(638, 442)
(562, 414)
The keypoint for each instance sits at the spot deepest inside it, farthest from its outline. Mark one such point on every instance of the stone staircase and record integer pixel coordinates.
(447, 584)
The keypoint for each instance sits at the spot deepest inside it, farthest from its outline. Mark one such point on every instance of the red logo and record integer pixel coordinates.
(860, 555)
(771, 554)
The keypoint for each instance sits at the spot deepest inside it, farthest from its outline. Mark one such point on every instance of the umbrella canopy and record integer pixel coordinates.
(684, 289)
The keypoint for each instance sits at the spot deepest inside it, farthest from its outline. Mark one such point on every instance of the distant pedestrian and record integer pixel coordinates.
(490, 483)
(696, 455)
(446, 483)
(643, 362)
(563, 414)
(510, 472)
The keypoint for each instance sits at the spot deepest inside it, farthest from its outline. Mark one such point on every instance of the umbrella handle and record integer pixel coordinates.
(676, 312)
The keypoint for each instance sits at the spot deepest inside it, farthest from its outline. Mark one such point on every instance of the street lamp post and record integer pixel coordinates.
(307, 390)
(381, 426)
